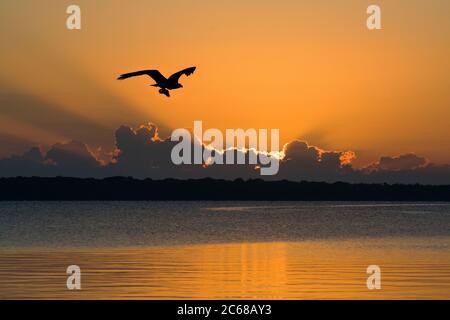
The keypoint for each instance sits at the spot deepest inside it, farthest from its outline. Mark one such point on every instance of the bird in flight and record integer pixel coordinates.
(165, 84)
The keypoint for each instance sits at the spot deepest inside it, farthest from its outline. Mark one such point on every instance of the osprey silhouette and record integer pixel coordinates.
(165, 84)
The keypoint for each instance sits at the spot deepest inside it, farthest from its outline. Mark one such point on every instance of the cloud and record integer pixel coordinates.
(406, 168)
(429, 174)
(63, 159)
(73, 157)
(304, 162)
(142, 153)
(407, 161)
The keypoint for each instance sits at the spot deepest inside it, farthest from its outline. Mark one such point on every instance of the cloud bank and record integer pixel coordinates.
(142, 153)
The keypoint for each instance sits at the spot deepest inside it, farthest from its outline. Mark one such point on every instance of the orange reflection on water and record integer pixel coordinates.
(297, 270)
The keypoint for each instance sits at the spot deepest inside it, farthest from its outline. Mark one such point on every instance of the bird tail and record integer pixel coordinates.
(123, 77)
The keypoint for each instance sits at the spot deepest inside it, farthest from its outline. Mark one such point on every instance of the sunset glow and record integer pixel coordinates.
(312, 70)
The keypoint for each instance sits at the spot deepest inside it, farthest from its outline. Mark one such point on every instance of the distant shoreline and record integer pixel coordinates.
(123, 188)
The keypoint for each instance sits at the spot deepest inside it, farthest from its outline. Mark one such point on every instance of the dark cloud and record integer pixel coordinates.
(73, 157)
(407, 161)
(31, 163)
(305, 162)
(143, 153)
(63, 159)
(429, 174)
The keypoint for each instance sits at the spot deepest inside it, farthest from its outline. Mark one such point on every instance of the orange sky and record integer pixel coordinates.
(313, 70)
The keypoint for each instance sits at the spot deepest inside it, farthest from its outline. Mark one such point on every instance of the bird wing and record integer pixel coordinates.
(154, 74)
(176, 76)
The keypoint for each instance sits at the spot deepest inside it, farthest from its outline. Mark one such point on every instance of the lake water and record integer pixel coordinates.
(226, 250)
